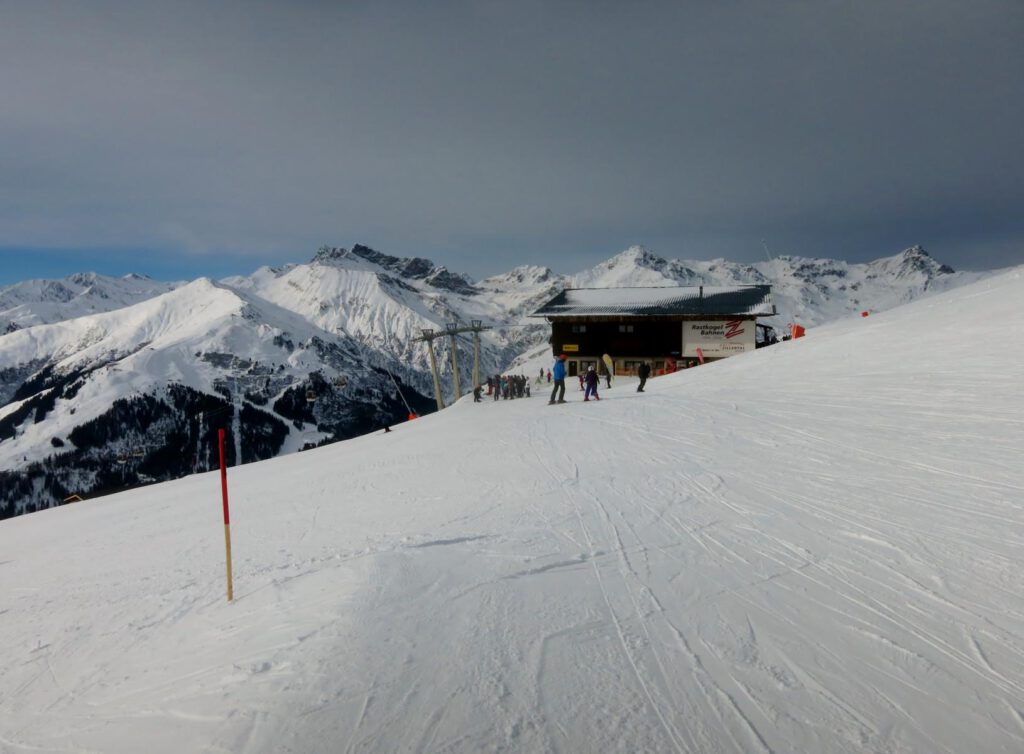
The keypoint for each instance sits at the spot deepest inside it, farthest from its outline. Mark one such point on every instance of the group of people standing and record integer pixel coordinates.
(506, 386)
(510, 386)
(588, 381)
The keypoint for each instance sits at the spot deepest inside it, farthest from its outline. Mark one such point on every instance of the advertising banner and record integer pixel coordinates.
(716, 339)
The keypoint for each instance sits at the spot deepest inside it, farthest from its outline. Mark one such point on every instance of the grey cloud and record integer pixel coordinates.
(490, 133)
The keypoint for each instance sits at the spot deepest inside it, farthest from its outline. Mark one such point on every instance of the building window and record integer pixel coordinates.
(625, 328)
(579, 328)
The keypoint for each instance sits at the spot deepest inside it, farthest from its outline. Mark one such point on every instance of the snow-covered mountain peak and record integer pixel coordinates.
(912, 263)
(417, 268)
(328, 254)
(526, 274)
(635, 256)
(412, 268)
(86, 278)
(91, 339)
(164, 359)
(636, 266)
(35, 302)
(641, 255)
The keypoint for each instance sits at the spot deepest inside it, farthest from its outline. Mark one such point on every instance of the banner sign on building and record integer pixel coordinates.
(717, 339)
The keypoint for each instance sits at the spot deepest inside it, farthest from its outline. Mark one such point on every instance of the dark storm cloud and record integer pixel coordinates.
(489, 133)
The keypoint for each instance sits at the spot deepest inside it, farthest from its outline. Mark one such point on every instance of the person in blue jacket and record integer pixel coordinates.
(558, 372)
(591, 382)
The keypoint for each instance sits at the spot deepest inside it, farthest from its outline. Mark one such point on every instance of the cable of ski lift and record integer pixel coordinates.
(400, 395)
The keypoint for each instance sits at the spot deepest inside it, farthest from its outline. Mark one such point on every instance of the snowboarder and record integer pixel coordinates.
(609, 369)
(591, 381)
(558, 372)
(644, 372)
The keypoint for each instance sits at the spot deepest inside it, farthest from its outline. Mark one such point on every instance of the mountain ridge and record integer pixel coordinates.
(356, 306)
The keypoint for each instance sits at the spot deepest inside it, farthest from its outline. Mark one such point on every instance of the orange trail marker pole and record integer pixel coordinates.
(227, 515)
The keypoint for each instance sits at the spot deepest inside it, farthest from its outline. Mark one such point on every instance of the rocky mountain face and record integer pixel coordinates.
(114, 400)
(107, 383)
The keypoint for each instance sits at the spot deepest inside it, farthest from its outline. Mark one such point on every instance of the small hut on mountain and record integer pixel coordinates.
(658, 325)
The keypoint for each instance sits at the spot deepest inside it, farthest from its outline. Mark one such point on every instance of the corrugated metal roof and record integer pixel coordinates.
(744, 300)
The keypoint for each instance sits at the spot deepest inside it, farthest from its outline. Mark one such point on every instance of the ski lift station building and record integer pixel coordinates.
(656, 325)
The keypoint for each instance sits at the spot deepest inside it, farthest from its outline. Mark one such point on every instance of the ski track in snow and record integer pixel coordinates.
(709, 567)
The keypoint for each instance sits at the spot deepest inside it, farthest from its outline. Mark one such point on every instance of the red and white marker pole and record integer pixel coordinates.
(700, 355)
(227, 515)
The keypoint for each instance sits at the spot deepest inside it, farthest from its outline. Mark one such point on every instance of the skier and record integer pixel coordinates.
(644, 372)
(549, 376)
(558, 372)
(476, 394)
(591, 381)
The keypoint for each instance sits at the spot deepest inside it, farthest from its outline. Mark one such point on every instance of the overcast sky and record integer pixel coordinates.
(181, 139)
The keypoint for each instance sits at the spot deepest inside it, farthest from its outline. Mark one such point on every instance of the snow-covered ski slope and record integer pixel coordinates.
(815, 547)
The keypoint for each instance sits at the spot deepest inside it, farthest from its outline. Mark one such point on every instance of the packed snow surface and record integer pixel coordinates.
(814, 547)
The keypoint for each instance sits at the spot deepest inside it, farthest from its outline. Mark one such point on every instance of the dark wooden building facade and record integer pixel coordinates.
(656, 325)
